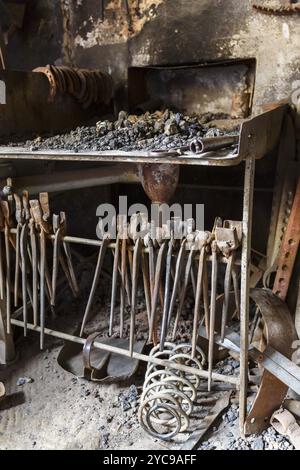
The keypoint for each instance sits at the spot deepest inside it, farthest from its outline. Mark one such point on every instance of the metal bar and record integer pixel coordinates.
(272, 360)
(135, 277)
(77, 179)
(97, 274)
(42, 287)
(212, 314)
(207, 144)
(8, 277)
(112, 245)
(284, 369)
(245, 277)
(217, 158)
(114, 285)
(124, 352)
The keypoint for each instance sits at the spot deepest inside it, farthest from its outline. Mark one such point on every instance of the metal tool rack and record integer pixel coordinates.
(258, 136)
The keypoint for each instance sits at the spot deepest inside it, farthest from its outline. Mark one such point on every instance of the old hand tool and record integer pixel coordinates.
(178, 271)
(191, 246)
(43, 228)
(56, 254)
(101, 255)
(157, 283)
(145, 233)
(238, 226)
(214, 279)
(19, 215)
(202, 240)
(124, 273)
(228, 240)
(135, 273)
(34, 262)
(7, 225)
(146, 281)
(45, 208)
(114, 284)
(59, 223)
(69, 268)
(165, 317)
(59, 229)
(24, 257)
(151, 264)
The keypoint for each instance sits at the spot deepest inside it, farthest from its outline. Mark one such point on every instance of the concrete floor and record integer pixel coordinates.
(58, 411)
(55, 410)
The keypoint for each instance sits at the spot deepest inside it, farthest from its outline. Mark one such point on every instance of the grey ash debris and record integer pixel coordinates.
(268, 440)
(161, 130)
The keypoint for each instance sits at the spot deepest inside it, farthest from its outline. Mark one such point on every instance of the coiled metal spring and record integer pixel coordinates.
(168, 394)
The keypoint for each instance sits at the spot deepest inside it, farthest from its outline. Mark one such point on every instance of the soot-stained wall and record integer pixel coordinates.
(161, 32)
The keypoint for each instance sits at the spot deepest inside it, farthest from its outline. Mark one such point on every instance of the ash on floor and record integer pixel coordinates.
(226, 437)
(55, 410)
(48, 408)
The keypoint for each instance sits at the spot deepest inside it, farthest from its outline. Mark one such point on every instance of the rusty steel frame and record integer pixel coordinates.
(245, 285)
(240, 382)
(124, 352)
(216, 158)
(259, 135)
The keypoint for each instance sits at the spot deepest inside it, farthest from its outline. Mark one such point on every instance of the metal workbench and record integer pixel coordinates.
(258, 136)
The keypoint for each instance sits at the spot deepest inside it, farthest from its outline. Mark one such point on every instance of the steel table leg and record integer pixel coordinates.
(245, 276)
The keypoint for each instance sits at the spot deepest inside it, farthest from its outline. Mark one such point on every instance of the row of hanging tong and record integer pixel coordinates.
(163, 263)
(28, 228)
(167, 262)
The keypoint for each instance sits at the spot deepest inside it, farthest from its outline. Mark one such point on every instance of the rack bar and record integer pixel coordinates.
(124, 352)
(92, 242)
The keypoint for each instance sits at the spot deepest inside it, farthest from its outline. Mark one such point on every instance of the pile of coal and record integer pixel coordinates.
(161, 130)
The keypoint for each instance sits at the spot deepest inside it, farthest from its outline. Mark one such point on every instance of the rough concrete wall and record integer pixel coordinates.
(178, 31)
(39, 41)
(162, 32)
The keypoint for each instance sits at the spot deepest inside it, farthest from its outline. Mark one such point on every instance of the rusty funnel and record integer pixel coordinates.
(159, 181)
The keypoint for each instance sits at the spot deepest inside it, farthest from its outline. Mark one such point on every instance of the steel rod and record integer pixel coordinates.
(112, 245)
(213, 158)
(77, 179)
(124, 352)
(245, 277)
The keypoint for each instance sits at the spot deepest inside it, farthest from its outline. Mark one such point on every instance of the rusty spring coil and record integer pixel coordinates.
(168, 394)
